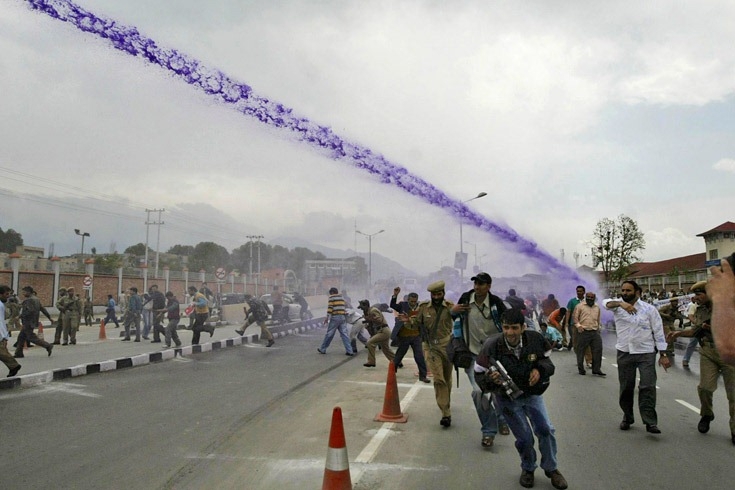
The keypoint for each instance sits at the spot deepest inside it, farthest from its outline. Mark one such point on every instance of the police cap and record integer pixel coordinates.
(699, 287)
(435, 287)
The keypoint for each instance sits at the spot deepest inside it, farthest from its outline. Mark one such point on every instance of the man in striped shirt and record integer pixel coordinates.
(336, 320)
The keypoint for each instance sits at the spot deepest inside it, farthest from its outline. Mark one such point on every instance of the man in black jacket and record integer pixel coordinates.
(524, 355)
(480, 312)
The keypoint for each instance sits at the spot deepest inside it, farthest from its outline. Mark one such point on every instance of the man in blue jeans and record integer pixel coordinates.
(480, 311)
(336, 320)
(524, 355)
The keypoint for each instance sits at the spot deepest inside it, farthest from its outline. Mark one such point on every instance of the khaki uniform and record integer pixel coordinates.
(710, 368)
(669, 314)
(436, 333)
(381, 336)
(72, 317)
(60, 304)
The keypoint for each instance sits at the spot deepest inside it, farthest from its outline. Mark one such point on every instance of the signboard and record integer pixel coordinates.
(220, 273)
(712, 263)
(460, 260)
(87, 281)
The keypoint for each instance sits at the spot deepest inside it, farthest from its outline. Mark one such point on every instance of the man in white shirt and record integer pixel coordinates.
(640, 332)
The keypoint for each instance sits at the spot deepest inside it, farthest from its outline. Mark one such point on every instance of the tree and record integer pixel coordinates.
(616, 245)
(181, 250)
(9, 240)
(208, 256)
(108, 264)
(138, 249)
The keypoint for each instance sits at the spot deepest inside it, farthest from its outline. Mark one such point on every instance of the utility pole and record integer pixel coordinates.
(148, 222)
(251, 238)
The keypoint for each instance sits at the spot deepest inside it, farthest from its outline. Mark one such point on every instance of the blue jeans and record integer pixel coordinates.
(518, 413)
(147, 322)
(489, 417)
(693, 343)
(337, 322)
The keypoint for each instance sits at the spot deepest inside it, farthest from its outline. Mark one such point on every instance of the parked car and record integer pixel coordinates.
(294, 309)
(233, 298)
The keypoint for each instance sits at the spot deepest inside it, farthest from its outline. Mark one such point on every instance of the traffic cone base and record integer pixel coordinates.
(337, 468)
(391, 405)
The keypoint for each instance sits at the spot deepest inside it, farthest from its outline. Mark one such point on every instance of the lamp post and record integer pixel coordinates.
(81, 234)
(475, 254)
(461, 240)
(370, 257)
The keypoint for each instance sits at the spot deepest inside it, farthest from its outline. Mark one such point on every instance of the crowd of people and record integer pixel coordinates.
(505, 347)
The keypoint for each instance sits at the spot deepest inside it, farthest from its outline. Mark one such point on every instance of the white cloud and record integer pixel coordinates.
(726, 165)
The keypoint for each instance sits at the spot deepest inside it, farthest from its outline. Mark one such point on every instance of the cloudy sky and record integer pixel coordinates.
(563, 112)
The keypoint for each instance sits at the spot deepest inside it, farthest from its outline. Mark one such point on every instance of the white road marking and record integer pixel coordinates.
(310, 464)
(58, 387)
(689, 406)
(371, 450)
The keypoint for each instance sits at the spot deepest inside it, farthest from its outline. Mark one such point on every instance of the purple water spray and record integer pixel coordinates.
(242, 98)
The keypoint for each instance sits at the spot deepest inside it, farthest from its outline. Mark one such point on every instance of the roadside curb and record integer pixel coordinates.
(35, 379)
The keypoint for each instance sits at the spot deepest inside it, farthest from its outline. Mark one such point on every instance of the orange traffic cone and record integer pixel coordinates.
(391, 405)
(337, 469)
(103, 334)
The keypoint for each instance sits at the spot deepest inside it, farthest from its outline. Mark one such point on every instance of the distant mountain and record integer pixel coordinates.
(383, 267)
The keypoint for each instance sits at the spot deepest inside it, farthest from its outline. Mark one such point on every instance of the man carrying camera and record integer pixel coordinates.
(516, 367)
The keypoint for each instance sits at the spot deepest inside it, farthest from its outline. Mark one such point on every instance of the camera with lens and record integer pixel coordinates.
(510, 388)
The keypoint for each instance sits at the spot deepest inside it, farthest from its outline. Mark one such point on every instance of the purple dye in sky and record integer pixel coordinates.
(242, 98)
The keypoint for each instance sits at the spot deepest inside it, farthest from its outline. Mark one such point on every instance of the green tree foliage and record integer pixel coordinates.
(108, 264)
(181, 250)
(208, 256)
(138, 249)
(617, 244)
(9, 240)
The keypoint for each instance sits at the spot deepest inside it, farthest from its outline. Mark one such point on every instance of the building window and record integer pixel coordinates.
(713, 254)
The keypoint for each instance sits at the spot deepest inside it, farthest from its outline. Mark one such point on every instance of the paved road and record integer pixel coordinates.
(252, 417)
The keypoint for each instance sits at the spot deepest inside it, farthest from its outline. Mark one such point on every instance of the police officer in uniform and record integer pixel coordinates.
(72, 317)
(669, 314)
(710, 364)
(434, 321)
(60, 304)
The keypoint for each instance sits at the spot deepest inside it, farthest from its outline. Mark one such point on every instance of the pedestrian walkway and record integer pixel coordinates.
(91, 355)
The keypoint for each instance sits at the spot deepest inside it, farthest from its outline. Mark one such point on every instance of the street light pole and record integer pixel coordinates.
(370, 258)
(461, 240)
(474, 245)
(81, 234)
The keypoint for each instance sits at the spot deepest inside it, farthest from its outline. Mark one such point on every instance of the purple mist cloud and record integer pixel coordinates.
(242, 98)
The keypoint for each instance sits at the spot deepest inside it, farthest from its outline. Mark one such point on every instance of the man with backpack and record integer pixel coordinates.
(256, 311)
(480, 311)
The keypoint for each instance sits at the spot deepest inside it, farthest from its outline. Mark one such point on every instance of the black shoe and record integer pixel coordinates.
(65, 343)
(425, 380)
(624, 425)
(211, 331)
(136, 340)
(320, 351)
(240, 332)
(73, 342)
(526, 479)
(599, 373)
(582, 371)
(18, 356)
(56, 342)
(703, 425)
(349, 354)
(14, 371)
(49, 349)
(653, 429)
(155, 341)
(126, 339)
(557, 480)
(733, 438)
(445, 421)
(270, 343)
(354, 346)
(367, 364)
(400, 365)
